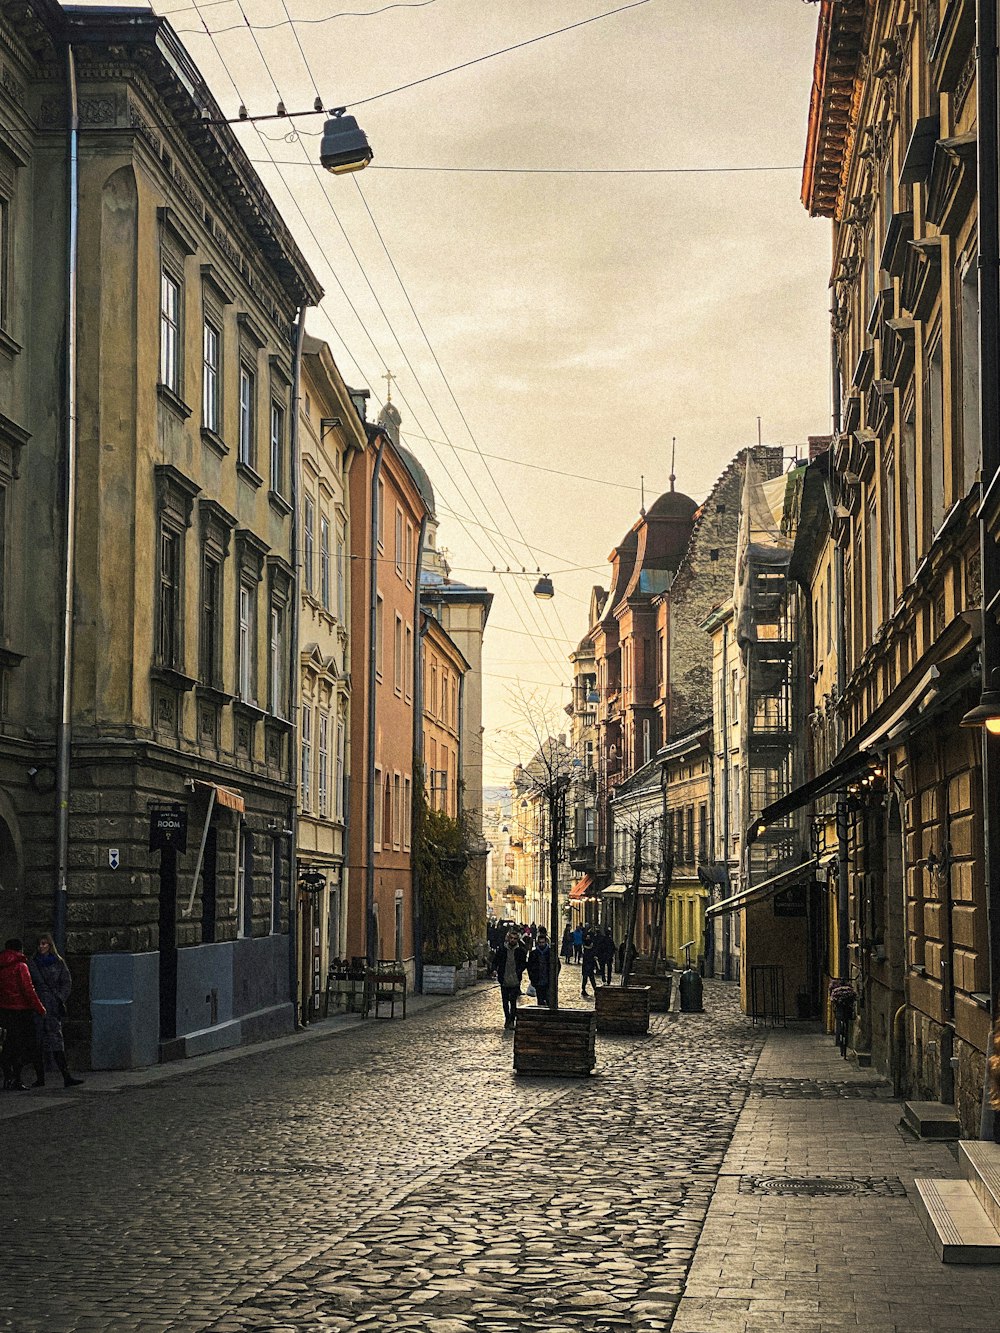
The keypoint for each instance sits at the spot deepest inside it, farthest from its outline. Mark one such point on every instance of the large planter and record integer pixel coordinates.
(562, 1043)
(661, 991)
(622, 1009)
(440, 979)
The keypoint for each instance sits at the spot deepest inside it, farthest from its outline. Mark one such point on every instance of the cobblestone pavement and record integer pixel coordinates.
(397, 1177)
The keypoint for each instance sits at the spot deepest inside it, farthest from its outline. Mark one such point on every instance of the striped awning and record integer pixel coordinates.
(224, 796)
(581, 889)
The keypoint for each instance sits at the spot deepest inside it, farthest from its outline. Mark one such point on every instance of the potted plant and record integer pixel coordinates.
(447, 916)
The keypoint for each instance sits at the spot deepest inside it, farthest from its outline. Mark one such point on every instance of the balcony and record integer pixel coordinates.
(583, 857)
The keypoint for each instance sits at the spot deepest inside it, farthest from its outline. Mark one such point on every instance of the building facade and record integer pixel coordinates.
(891, 161)
(443, 675)
(182, 564)
(332, 436)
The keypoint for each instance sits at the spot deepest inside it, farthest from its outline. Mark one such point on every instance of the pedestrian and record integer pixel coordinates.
(18, 1003)
(589, 955)
(533, 930)
(53, 983)
(605, 954)
(509, 963)
(539, 966)
(566, 948)
(994, 1080)
(577, 943)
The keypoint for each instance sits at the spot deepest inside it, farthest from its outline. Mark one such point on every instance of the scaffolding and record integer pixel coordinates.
(768, 632)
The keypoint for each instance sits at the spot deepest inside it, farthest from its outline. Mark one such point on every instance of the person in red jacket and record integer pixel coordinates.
(18, 1003)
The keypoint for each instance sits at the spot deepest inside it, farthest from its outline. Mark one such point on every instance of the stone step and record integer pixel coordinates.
(980, 1163)
(956, 1222)
(931, 1120)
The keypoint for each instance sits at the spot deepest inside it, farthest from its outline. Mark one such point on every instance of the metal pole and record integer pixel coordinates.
(418, 766)
(295, 740)
(989, 410)
(370, 794)
(64, 732)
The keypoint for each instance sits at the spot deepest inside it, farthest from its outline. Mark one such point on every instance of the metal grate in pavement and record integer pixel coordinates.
(816, 1089)
(823, 1186)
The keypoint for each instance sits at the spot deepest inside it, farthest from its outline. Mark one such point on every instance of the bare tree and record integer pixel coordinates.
(642, 861)
(544, 768)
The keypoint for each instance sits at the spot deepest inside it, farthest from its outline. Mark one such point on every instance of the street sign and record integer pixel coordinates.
(114, 858)
(168, 828)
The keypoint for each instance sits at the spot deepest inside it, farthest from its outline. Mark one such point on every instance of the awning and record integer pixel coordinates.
(514, 891)
(224, 796)
(837, 775)
(581, 888)
(614, 891)
(758, 893)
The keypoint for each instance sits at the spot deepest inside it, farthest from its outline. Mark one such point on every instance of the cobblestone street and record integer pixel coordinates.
(397, 1176)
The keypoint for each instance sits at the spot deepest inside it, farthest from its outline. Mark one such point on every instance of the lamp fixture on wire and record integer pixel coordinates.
(544, 589)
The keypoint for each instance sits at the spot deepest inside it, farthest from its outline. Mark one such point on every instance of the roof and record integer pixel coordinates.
(833, 103)
(672, 504)
(152, 49)
(421, 480)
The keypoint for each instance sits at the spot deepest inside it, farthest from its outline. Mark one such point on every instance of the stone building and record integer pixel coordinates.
(891, 161)
(183, 364)
(584, 737)
(331, 436)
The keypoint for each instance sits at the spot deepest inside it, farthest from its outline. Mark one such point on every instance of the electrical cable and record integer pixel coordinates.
(537, 467)
(549, 171)
(323, 18)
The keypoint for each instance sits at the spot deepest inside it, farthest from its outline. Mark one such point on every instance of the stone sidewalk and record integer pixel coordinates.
(812, 1226)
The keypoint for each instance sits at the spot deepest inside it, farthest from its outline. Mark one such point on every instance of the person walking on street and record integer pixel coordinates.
(605, 954)
(566, 948)
(19, 1002)
(539, 963)
(509, 963)
(52, 981)
(589, 963)
(577, 943)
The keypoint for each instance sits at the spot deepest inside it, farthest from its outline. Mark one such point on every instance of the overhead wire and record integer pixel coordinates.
(746, 168)
(323, 18)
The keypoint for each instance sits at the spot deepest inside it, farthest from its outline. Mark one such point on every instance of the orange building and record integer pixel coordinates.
(388, 512)
(444, 669)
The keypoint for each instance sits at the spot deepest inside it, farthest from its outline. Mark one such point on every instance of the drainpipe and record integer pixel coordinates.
(371, 795)
(295, 739)
(989, 407)
(418, 761)
(727, 929)
(843, 956)
(64, 733)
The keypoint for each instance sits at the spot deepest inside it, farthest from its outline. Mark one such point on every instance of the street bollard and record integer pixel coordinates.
(690, 988)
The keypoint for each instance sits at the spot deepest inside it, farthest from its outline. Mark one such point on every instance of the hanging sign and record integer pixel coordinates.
(168, 828)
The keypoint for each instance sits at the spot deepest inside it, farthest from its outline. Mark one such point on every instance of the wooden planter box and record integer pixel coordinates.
(440, 980)
(561, 1043)
(661, 990)
(622, 1009)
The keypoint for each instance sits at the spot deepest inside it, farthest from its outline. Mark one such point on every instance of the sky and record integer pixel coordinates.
(576, 322)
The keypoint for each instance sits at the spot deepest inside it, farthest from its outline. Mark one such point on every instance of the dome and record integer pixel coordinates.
(419, 474)
(390, 420)
(672, 504)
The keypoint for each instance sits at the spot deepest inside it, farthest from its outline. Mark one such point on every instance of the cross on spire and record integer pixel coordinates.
(388, 377)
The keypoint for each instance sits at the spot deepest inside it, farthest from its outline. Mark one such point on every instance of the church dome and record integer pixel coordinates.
(420, 478)
(672, 504)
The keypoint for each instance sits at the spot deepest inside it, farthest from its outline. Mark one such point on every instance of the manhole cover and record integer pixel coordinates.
(291, 1169)
(820, 1186)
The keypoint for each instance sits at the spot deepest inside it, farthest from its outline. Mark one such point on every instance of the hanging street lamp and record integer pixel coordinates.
(345, 145)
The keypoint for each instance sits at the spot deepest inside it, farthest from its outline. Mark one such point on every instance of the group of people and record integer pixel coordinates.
(517, 950)
(33, 995)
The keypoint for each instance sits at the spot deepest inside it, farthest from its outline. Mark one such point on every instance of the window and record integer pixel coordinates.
(309, 540)
(969, 378)
(248, 424)
(397, 655)
(874, 570)
(244, 885)
(170, 332)
(408, 663)
(387, 830)
(380, 516)
(889, 540)
(399, 541)
(379, 634)
(168, 647)
(647, 740)
(908, 490)
(377, 830)
(276, 883)
(324, 561)
(933, 450)
(410, 561)
(407, 812)
(210, 663)
(341, 574)
(432, 699)
(338, 779)
(703, 851)
(397, 810)
(246, 641)
(5, 249)
(324, 762)
(305, 752)
(210, 355)
(276, 653)
(277, 448)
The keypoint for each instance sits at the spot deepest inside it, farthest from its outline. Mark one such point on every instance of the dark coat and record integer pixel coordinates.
(605, 948)
(53, 983)
(500, 962)
(539, 965)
